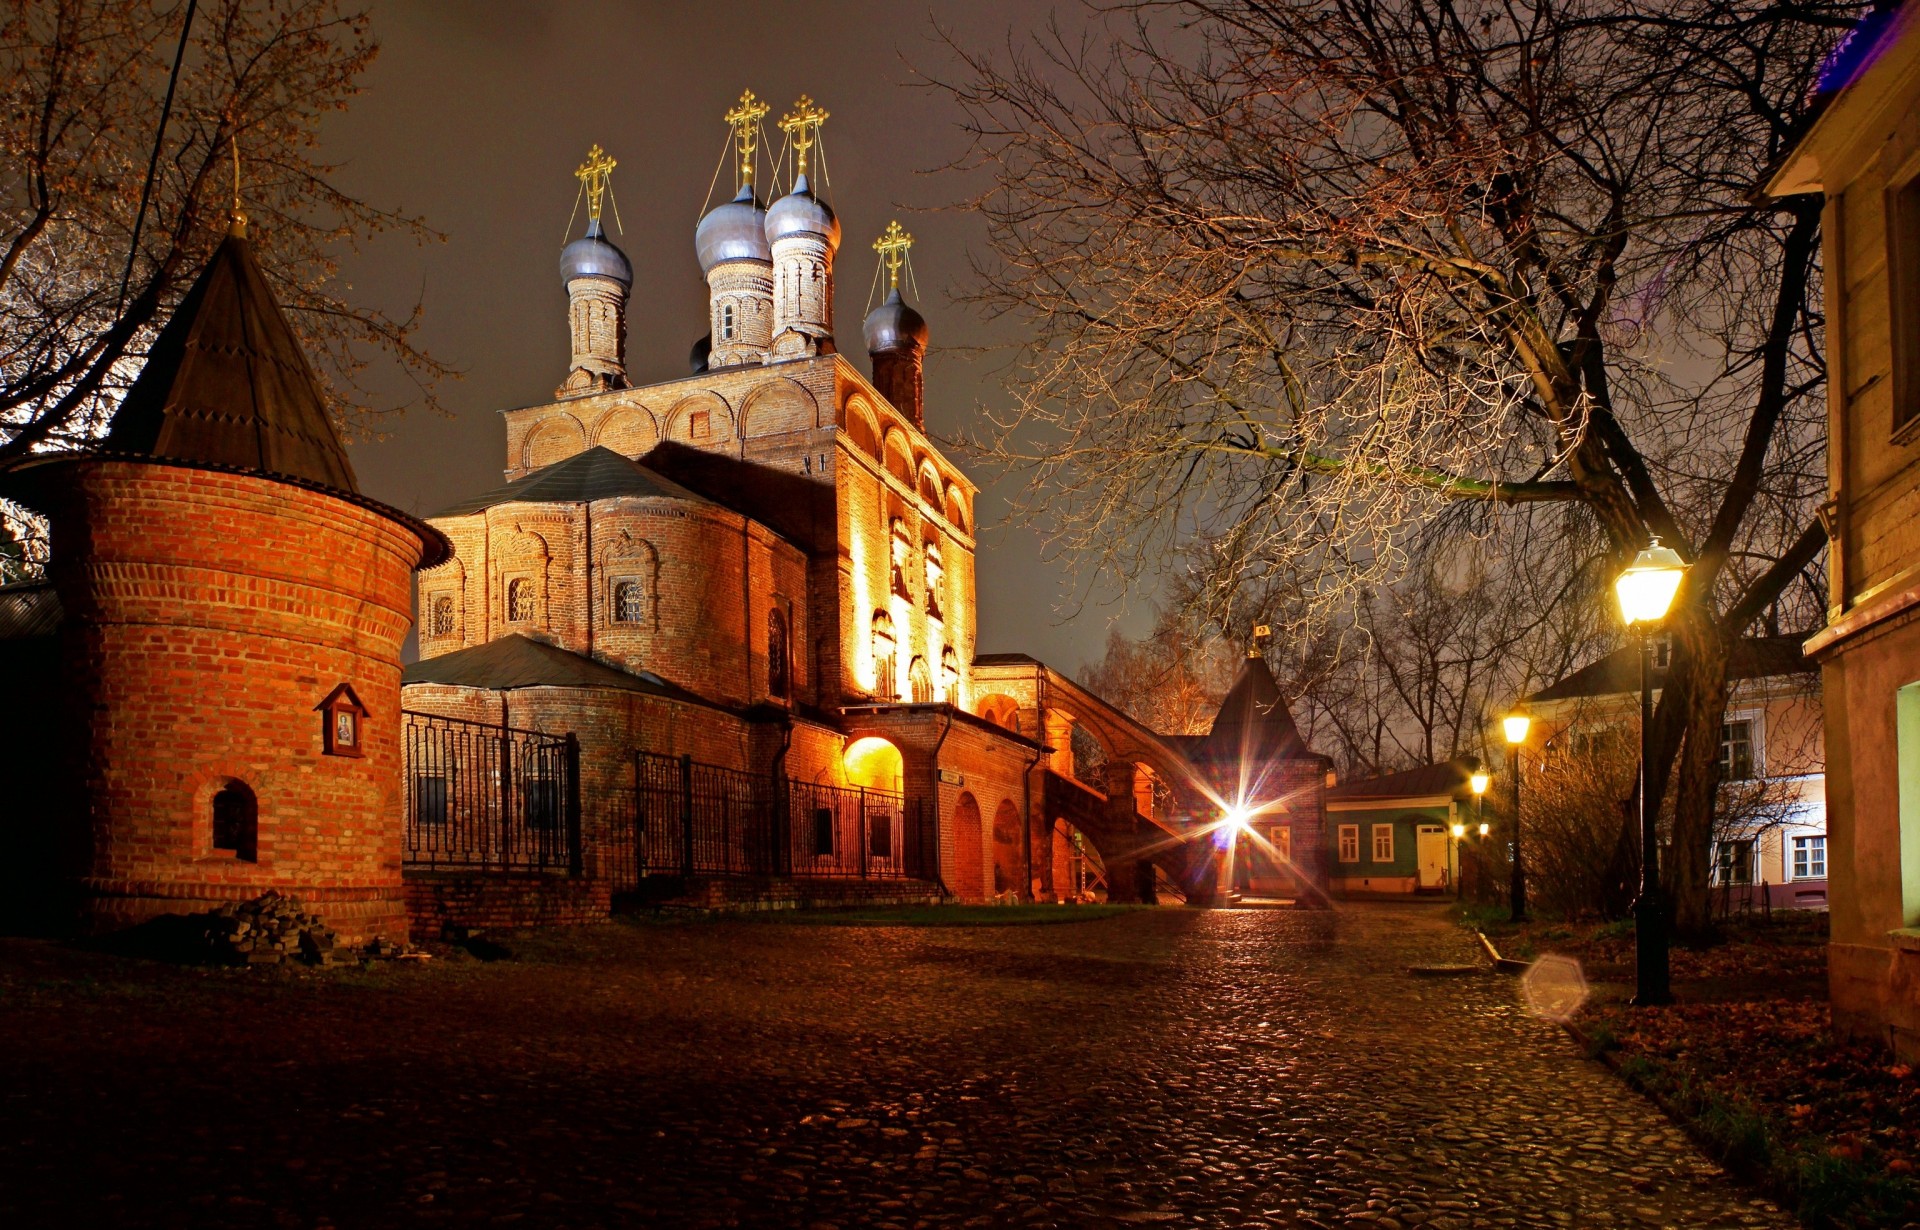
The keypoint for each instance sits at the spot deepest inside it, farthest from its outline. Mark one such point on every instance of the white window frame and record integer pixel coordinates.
(1349, 835)
(1756, 741)
(1799, 844)
(1720, 866)
(1382, 833)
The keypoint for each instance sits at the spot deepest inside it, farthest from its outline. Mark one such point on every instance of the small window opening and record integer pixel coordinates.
(430, 800)
(880, 835)
(700, 425)
(726, 322)
(823, 832)
(519, 600)
(777, 664)
(629, 602)
(236, 822)
(441, 623)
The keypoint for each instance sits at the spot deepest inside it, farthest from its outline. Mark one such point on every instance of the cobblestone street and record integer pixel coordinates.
(1169, 1067)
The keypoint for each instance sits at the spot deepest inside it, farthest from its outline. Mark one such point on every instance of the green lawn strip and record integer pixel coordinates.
(1826, 1187)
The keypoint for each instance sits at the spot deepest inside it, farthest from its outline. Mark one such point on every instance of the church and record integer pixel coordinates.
(711, 641)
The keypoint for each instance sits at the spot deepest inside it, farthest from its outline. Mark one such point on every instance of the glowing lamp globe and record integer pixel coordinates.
(1238, 818)
(1647, 587)
(1459, 830)
(1480, 782)
(1516, 725)
(1485, 829)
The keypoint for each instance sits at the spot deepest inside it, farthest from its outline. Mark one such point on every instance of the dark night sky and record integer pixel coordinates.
(475, 115)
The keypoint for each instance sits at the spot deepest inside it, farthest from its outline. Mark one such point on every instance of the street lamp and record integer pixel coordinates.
(1479, 780)
(1459, 831)
(1515, 725)
(1646, 590)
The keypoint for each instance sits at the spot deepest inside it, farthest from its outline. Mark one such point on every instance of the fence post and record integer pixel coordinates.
(576, 853)
(686, 815)
(639, 825)
(506, 797)
(864, 828)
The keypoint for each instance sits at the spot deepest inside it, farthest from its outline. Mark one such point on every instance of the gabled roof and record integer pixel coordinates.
(1447, 777)
(1253, 723)
(597, 474)
(226, 384)
(1753, 657)
(517, 661)
(29, 609)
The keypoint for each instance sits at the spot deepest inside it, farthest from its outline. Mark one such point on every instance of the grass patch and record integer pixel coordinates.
(953, 915)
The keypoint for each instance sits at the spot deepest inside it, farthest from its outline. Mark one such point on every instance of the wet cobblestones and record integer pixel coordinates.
(1171, 1068)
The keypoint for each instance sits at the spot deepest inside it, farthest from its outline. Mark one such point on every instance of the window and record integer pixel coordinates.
(520, 600)
(886, 667)
(726, 323)
(430, 800)
(1662, 653)
(440, 618)
(1349, 843)
(1282, 838)
(880, 834)
(629, 601)
(540, 796)
(236, 822)
(1733, 861)
(920, 682)
(899, 558)
(700, 425)
(823, 832)
(935, 574)
(1810, 858)
(1383, 843)
(777, 655)
(1736, 750)
(1903, 269)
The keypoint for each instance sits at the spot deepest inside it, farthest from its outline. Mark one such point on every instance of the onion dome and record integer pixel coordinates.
(702, 354)
(894, 325)
(735, 231)
(801, 213)
(592, 256)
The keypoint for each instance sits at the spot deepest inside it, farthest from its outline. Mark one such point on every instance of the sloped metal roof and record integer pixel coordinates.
(517, 661)
(1447, 777)
(1753, 657)
(29, 609)
(599, 473)
(227, 384)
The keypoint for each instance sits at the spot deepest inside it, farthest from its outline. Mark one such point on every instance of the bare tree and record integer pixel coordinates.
(1301, 274)
(1172, 681)
(86, 84)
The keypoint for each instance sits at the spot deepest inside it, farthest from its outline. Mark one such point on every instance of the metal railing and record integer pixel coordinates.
(695, 819)
(490, 797)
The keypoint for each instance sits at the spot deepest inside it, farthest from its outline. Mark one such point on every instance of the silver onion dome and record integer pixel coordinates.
(801, 213)
(894, 325)
(592, 256)
(735, 231)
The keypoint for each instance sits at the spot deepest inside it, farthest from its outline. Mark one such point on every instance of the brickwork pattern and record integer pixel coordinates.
(440, 901)
(207, 615)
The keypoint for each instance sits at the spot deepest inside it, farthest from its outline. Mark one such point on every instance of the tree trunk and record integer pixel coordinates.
(1687, 877)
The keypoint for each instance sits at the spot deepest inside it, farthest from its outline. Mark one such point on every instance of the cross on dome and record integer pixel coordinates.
(745, 119)
(892, 247)
(594, 174)
(802, 126)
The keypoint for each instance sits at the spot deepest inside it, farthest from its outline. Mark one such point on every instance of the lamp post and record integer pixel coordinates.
(1515, 725)
(1645, 591)
(1479, 780)
(1459, 831)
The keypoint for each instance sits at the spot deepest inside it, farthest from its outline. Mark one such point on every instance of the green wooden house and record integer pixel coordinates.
(1393, 836)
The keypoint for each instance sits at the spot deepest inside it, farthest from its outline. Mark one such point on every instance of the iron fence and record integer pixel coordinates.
(490, 797)
(695, 819)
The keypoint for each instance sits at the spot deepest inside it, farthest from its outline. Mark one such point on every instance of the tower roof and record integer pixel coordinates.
(1253, 723)
(227, 385)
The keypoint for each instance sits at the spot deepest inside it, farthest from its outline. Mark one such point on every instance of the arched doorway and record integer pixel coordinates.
(969, 879)
(1009, 860)
(875, 765)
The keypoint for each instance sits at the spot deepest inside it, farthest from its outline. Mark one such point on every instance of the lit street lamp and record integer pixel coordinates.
(1646, 591)
(1480, 779)
(1459, 831)
(1516, 725)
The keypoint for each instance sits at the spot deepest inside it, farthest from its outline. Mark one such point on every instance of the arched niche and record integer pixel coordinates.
(553, 440)
(628, 429)
(702, 419)
(862, 428)
(777, 407)
(898, 460)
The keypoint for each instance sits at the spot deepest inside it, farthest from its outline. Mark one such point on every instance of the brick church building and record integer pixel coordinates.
(712, 640)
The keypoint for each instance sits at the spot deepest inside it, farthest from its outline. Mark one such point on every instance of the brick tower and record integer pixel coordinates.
(231, 612)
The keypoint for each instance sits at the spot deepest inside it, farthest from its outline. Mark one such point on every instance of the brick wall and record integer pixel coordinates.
(495, 901)
(208, 614)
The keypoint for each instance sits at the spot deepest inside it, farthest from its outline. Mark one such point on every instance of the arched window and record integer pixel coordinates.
(898, 554)
(520, 600)
(441, 621)
(726, 322)
(886, 667)
(236, 821)
(777, 683)
(949, 668)
(936, 607)
(629, 601)
(921, 681)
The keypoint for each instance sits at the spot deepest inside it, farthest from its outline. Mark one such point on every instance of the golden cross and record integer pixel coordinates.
(745, 121)
(594, 175)
(802, 124)
(892, 247)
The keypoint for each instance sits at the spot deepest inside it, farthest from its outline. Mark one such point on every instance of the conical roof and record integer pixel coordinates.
(1253, 723)
(227, 385)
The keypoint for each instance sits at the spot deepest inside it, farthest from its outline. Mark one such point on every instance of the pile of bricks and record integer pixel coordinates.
(270, 929)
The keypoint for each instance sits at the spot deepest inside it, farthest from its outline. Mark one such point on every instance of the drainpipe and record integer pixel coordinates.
(938, 868)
